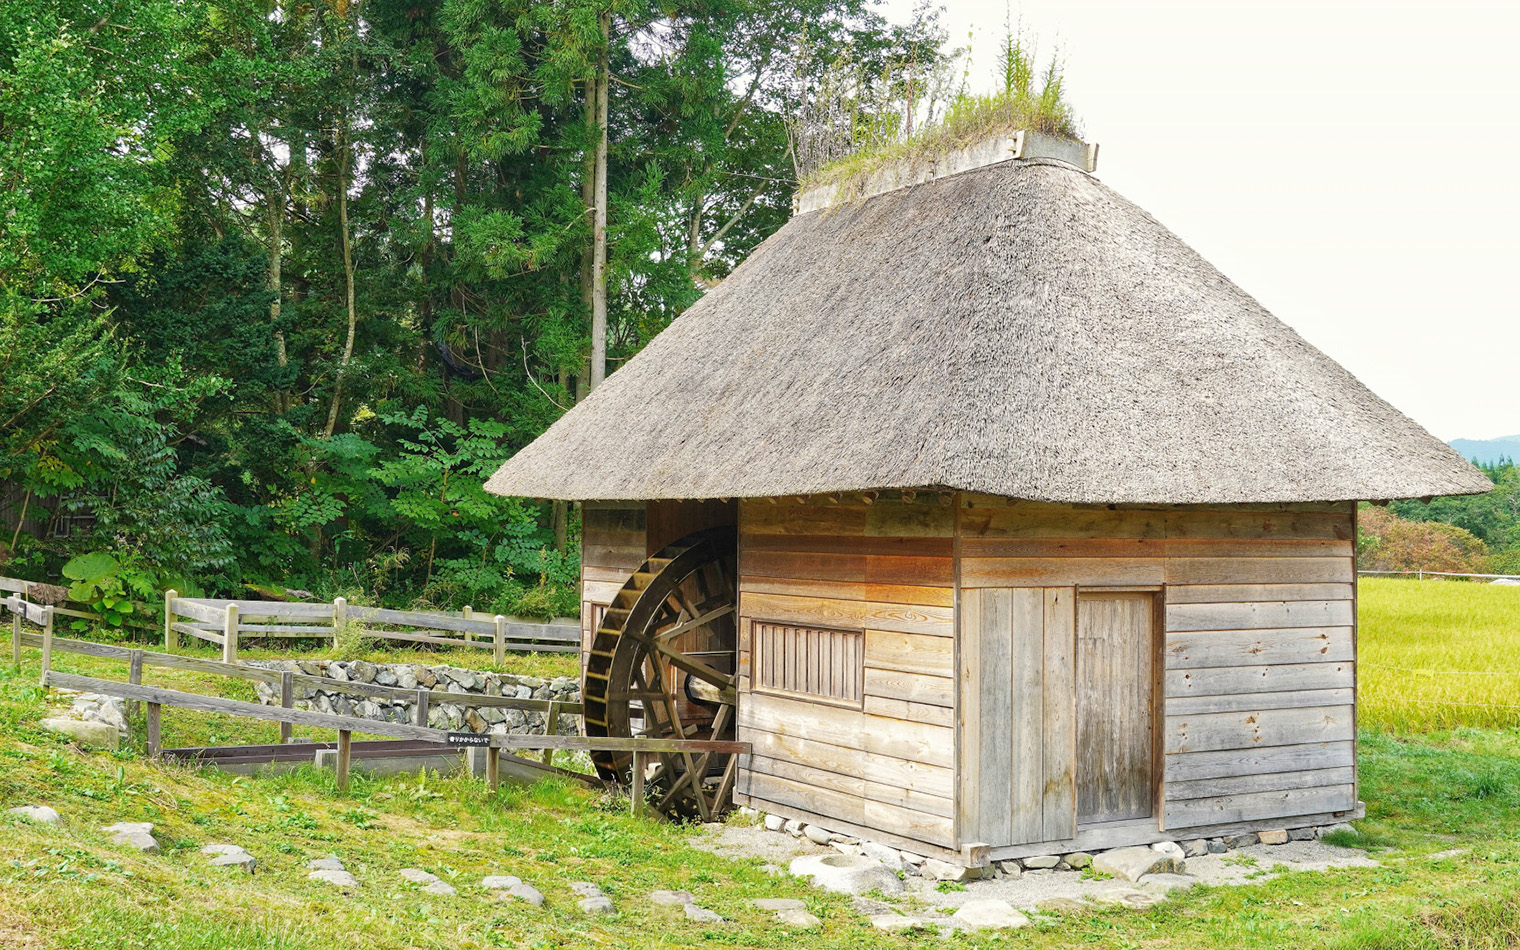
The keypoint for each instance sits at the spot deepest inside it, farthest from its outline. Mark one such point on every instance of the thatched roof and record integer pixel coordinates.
(1019, 329)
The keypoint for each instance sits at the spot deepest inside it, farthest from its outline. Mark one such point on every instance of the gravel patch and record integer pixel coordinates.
(753, 841)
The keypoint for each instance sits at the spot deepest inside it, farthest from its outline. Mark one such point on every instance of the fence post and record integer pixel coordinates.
(16, 634)
(469, 614)
(340, 617)
(420, 714)
(493, 766)
(134, 676)
(499, 646)
(287, 701)
(230, 635)
(155, 726)
(345, 750)
(171, 637)
(551, 728)
(636, 793)
(47, 642)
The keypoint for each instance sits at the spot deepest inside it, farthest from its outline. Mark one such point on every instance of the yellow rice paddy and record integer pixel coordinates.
(1438, 654)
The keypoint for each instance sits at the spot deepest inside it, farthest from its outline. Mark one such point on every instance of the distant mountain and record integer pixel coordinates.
(1489, 450)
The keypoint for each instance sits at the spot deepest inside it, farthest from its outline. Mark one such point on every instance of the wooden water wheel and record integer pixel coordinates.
(662, 665)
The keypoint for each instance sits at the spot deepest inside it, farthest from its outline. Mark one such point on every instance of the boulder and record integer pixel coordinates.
(324, 864)
(1061, 905)
(778, 903)
(499, 882)
(440, 889)
(99, 734)
(895, 922)
(937, 870)
(1170, 848)
(1134, 900)
(989, 915)
(1040, 862)
(847, 874)
(1166, 883)
(236, 859)
(586, 889)
(817, 835)
(1077, 860)
(1217, 846)
(1196, 848)
(701, 914)
(793, 827)
(41, 814)
(798, 919)
(891, 857)
(1010, 868)
(339, 878)
(1301, 834)
(1240, 841)
(1134, 863)
(530, 894)
(596, 905)
(418, 876)
(671, 898)
(1274, 837)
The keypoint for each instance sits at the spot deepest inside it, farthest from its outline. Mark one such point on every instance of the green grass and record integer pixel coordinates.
(1443, 806)
(969, 119)
(1438, 655)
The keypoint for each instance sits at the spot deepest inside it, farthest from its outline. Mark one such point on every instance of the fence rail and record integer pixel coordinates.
(226, 622)
(155, 698)
(1421, 575)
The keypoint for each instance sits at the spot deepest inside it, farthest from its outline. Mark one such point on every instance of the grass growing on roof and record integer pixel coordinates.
(1027, 100)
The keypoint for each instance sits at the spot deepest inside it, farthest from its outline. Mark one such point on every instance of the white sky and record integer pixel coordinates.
(1350, 163)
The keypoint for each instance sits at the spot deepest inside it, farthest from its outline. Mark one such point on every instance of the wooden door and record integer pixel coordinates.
(1115, 716)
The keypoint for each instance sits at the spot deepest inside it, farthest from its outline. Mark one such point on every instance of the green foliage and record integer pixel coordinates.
(1493, 518)
(188, 191)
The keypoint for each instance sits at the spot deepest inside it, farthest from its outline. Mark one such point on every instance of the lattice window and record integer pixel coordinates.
(809, 661)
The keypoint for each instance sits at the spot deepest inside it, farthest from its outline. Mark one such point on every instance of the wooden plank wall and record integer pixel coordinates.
(612, 547)
(885, 770)
(1018, 728)
(1259, 678)
(670, 521)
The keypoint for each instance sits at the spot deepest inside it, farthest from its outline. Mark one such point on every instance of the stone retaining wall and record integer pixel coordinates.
(440, 679)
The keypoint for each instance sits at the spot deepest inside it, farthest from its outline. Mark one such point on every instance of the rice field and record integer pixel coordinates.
(1438, 655)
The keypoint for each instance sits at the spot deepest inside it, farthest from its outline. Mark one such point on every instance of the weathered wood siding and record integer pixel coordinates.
(885, 769)
(616, 537)
(1257, 685)
(613, 545)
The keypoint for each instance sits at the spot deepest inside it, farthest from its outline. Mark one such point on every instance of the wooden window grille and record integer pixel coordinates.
(816, 662)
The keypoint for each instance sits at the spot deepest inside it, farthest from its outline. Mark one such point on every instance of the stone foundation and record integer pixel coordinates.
(456, 717)
(917, 865)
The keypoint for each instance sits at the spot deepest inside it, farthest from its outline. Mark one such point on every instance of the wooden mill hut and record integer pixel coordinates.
(994, 517)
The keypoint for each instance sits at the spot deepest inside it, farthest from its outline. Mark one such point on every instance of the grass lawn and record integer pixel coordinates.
(1429, 793)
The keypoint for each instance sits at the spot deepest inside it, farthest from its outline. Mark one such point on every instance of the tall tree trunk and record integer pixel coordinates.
(599, 225)
(345, 164)
(276, 226)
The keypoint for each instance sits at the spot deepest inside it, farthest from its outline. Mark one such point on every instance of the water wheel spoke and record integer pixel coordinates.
(701, 620)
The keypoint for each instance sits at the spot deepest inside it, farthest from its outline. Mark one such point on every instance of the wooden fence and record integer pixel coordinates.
(155, 698)
(68, 608)
(224, 622)
(1421, 575)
